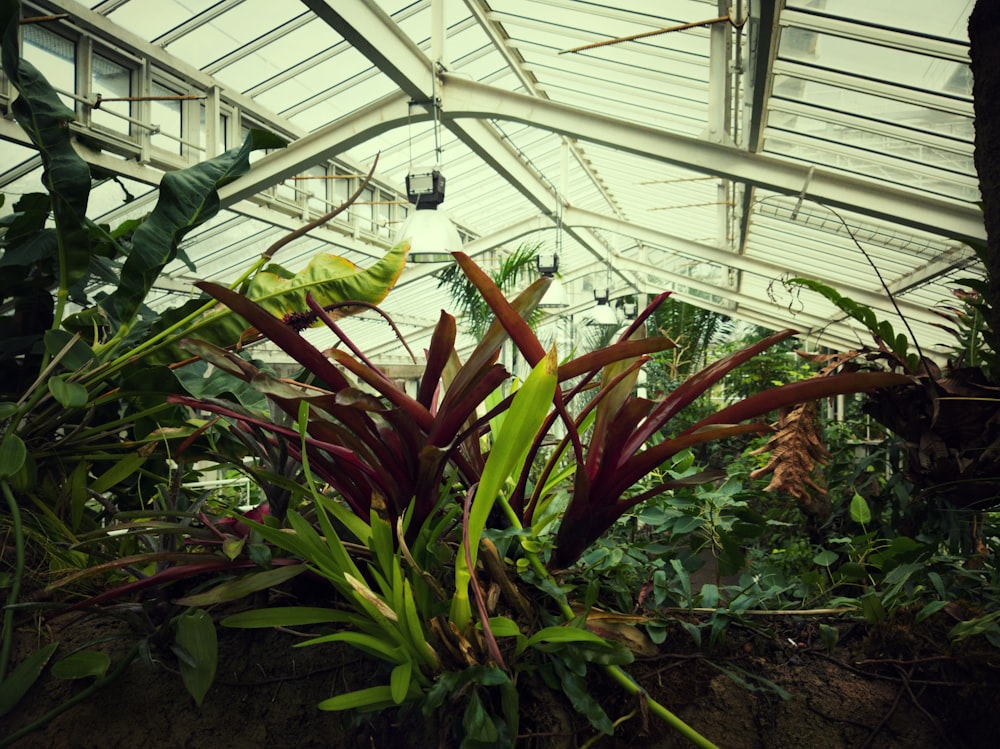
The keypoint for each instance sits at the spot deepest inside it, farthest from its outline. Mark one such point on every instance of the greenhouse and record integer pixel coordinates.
(563, 373)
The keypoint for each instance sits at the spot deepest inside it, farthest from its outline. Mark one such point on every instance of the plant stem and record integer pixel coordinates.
(630, 686)
(15, 587)
(616, 673)
(72, 701)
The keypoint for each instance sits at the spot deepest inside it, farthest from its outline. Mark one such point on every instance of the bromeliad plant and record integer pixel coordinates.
(412, 485)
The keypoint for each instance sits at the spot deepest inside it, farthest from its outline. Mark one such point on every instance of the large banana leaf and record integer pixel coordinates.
(42, 115)
(188, 198)
(329, 279)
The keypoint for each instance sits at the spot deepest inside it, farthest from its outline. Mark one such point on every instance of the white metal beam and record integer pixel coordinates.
(698, 251)
(372, 32)
(467, 99)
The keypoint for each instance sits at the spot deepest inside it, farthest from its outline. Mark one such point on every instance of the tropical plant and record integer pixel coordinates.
(946, 418)
(418, 481)
(83, 416)
(513, 271)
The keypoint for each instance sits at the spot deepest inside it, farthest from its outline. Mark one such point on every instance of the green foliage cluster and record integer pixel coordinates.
(85, 427)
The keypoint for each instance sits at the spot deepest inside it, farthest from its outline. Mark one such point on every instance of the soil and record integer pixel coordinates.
(887, 686)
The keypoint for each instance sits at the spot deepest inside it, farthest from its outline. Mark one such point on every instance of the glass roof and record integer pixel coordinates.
(712, 148)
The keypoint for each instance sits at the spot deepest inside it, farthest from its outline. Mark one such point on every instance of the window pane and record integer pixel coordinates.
(167, 115)
(111, 80)
(54, 57)
(316, 187)
(382, 213)
(365, 209)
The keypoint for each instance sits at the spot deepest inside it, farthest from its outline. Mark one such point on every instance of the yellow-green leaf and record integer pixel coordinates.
(19, 681)
(526, 415)
(243, 586)
(81, 665)
(372, 698)
(328, 278)
(12, 455)
(121, 470)
(196, 637)
(69, 394)
(399, 681)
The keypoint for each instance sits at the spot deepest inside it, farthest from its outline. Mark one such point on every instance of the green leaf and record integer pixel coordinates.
(328, 278)
(379, 646)
(7, 409)
(829, 635)
(291, 616)
(686, 524)
(233, 547)
(188, 198)
(19, 681)
(82, 665)
(196, 636)
(559, 635)
(121, 470)
(243, 586)
(501, 626)
(575, 688)
(366, 700)
(526, 415)
(825, 558)
(68, 394)
(12, 455)
(478, 725)
(399, 681)
(931, 608)
(871, 608)
(75, 353)
(860, 512)
(45, 119)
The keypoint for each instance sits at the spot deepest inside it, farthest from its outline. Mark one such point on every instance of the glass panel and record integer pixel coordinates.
(868, 60)
(316, 190)
(383, 212)
(876, 142)
(930, 17)
(341, 191)
(878, 107)
(246, 21)
(288, 190)
(874, 167)
(55, 58)
(168, 116)
(151, 18)
(111, 80)
(365, 211)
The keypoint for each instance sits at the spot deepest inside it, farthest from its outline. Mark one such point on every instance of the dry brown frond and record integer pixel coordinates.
(796, 450)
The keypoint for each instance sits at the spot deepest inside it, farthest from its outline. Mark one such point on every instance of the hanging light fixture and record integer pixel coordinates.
(548, 265)
(555, 297)
(432, 235)
(603, 313)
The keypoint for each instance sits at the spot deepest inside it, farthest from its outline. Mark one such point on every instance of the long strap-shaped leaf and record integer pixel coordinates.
(282, 335)
(45, 119)
(527, 413)
(188, 198)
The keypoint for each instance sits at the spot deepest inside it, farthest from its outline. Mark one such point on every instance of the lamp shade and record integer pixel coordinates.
(602, 314)
(555, 297)
(431, 234)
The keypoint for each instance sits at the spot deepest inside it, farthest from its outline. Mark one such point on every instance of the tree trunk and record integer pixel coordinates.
(984, 52)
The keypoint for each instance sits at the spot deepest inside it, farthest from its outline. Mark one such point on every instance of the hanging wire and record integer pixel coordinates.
(434, 105)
